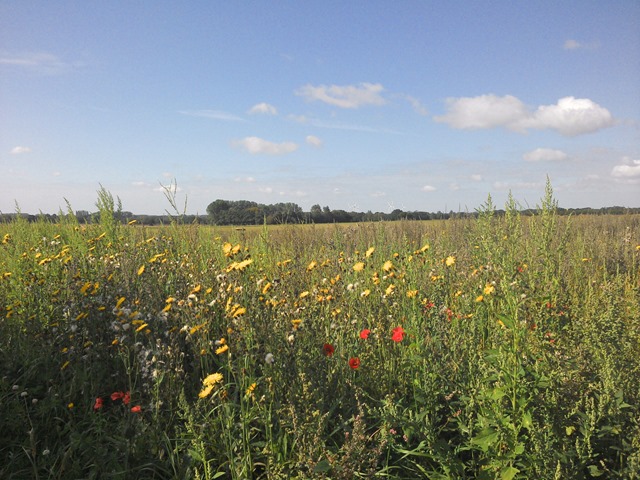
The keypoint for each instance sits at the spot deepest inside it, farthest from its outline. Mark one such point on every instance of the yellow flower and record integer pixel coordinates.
(479, 298)
(250, 389)
(489, 289)
(369, 252)
(365, 293)
(206, 391)
(412, 293)
(70, 405)
(388, 266)
(451, 260)
(141, 270)
(212, 379)
(312, 265)
(142, 327)
(358, 267)
(390, 289)
(223, 348)
(304, 294)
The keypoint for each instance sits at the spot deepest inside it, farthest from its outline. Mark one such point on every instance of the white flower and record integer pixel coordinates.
(268, 358)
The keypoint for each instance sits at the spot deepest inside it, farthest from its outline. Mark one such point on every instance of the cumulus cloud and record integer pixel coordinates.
(570, 116)
(629, 169)
(545, 155)
(19, 150)
(256, 146)
(313, 141)
(346, 96)
(213, 114)
(428, 188)
(263, 108)
(244, 179)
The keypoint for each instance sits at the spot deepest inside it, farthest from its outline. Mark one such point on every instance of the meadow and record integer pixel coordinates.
(498, 347)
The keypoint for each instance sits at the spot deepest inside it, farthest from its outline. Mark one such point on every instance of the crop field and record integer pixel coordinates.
(498, 347)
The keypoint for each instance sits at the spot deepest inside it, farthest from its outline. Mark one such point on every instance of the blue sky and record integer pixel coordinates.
(375, 105)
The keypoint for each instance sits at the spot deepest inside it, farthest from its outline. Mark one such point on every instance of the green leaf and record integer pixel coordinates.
(323, 466)
(594, 471)
(527, 421)
(485, 439)
(497, 394)
(507, 473)
(570, 430)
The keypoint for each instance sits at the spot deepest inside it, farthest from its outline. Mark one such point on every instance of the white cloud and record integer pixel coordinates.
(544, 155)
(19, 150)
(256, 145)
(265, 189)
(40, 62)
(485, 111)
(213, 114)
(416, 104)
(570, 116)
(245, 179)
(263, 108)
(630, 169)
(347, 96)
(571, 44)
(476, 177)
(313, 141)
(428, 188)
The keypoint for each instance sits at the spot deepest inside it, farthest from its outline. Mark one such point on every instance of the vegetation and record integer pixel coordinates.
(500, 346)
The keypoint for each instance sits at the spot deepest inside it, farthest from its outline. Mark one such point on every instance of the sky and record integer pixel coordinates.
(356, 105)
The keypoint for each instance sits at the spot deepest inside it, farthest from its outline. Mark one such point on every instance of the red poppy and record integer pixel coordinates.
(364, 334)
(354, 363)
(117, 396)
(126, 398)
(136, 409)
(99, 403)
(398, 334)
(328, 349)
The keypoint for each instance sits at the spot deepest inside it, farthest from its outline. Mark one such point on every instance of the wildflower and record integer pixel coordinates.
(354, 363)
(412, 293)
(398, 334)
(364, 334)
(489, 289)
(117, 396)
(328, 349)
(250, 389)
(312, 265)
(136, 409)
(223, 348)
(479, 298)
(209, 383)
(450, 261)
(99, 404)
(388, 266)
(70, 405)
(390, 289)
(369, 252)
(141, 270)
(268, 358)
(126, 399)
(358, 267)
(365, 293)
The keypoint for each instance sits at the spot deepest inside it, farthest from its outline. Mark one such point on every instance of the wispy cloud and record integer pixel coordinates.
(20, 150)
(572, 44)
(263, 108)
(415, 103)
(350, 127)
(570, 116)
(213, 114)
(313, 141)
(345, 96)
(38, 62)
(545, 155)
(429, 188)
(257, 146)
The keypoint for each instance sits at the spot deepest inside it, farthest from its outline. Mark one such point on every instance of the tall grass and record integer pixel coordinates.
(502, 347)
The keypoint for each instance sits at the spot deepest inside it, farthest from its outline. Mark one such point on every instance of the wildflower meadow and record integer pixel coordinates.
(497, 347)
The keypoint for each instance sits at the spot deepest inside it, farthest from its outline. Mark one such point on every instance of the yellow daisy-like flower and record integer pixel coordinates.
(479, 298)
(450, 261)
(489, 289)
(312, 265)
(212, 379)
(388, 266)
(250, 389)
(223, 348)
(369, 252)
(358, 267)
(390, 289)
(206, 391)
(365, 293)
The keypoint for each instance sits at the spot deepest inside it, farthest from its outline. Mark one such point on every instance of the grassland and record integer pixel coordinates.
(501, 347)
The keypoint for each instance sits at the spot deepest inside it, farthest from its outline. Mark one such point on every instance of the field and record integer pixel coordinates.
(499, 347)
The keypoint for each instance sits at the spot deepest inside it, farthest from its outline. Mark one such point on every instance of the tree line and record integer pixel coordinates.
(244, 212)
